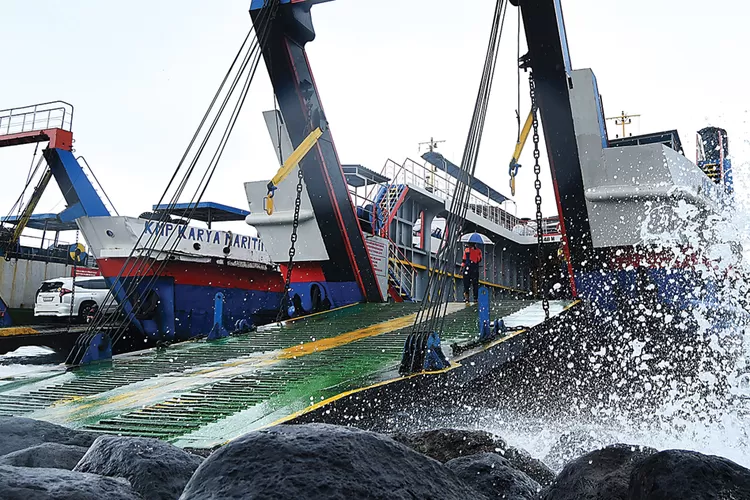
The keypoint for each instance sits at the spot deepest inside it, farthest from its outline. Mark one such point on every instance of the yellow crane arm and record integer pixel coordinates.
(29, 209)
(304, 147)
(513, 167)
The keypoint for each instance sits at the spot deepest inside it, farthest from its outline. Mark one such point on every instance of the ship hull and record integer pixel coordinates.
(187, 294)
(177, 282)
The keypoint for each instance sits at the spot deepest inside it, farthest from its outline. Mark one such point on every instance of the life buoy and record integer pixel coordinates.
(77, 252)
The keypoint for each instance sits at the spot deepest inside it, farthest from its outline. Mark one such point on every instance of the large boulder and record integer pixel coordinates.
(157, 470)
(599, 475)
(688, 475)
(447, 444)
(25, 483)
(19, 433)
(46, 455)
(322, 461)
(494, 476)
(536, 469)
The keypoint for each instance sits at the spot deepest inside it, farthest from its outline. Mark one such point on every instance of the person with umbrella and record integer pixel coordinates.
(470, 269)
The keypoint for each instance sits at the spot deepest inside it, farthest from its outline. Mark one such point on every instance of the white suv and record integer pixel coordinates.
(53, 297)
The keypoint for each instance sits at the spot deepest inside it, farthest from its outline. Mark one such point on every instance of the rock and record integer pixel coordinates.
(155, 469)
(447, 444)
(599, 475)
(494, 476)
(20, 433)
(25, 483)
(46, 455)
(536, 469)
(322, 461)
(688, 475)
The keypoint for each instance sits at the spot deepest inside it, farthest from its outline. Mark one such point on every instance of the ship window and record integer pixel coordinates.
(197, 246)
(50, 286)
(110, 233)
(96, 284)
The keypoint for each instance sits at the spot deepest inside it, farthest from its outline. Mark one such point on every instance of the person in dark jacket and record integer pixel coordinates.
(470, 268)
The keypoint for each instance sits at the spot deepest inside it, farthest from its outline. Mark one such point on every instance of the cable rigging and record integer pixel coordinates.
(146, 261)
(431, 315)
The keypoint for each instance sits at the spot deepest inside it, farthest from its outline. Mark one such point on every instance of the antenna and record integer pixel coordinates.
(431, 144)
(622, 120)
(430, 174)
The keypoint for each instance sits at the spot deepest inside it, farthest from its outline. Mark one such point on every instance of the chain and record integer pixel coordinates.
(538, 200)
(74, 273)
(292, 250)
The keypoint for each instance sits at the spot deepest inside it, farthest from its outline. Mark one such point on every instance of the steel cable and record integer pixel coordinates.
(432, 312)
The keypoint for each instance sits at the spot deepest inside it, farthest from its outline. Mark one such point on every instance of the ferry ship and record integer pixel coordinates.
(182, 271)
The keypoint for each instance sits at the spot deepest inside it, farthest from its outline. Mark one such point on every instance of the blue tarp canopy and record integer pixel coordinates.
(50, 222)
(206, 211)
(451, 169)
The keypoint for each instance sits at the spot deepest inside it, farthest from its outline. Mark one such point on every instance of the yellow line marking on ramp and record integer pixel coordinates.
(17, 330)
(346, 338)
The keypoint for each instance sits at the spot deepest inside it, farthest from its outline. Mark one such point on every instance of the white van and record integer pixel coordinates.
(53, 297)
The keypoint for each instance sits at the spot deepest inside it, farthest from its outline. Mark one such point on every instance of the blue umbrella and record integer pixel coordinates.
(477, 238)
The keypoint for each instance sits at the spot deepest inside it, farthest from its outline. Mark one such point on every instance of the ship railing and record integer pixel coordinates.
(43, 116)
(45, 249)
(443, 185)
(401, 268)
(98, 188)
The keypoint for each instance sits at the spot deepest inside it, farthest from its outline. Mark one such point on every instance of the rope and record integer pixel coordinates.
(431, 315)
(140, 268)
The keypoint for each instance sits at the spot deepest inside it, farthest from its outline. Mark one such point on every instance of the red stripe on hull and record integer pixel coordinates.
(200, 274)
(305, 272)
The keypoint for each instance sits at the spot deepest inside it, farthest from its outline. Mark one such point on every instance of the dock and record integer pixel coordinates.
(200, 394)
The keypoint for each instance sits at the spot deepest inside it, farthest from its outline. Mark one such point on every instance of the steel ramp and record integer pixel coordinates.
(201, 394)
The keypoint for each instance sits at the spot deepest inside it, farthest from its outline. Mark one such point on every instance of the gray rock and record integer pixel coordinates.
(447, 444)
(27, 483)
(322, 461)
(688, 475)
(494, 476)
(19, 433)
(599, 475)
(157, 470)
(46, 455)
(535, 469)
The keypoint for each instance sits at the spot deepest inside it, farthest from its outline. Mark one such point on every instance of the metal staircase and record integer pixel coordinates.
(401, 275)
(388, 200)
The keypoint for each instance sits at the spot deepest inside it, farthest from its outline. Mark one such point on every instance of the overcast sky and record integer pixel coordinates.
(391, 74)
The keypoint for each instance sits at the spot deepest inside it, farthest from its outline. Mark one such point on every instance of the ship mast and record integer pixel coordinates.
(623, 120)
(430, 177)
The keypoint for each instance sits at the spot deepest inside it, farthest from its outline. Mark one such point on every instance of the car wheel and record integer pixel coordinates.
(86, 309)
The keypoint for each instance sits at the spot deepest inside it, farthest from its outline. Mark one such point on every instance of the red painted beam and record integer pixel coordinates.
(57, 137)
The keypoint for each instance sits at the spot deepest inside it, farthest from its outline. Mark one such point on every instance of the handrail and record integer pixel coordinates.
(442, 185)
(106, 196)
(42, 116)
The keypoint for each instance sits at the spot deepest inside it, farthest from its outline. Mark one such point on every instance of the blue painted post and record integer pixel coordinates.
(4, 314)
(218, 331)
(99, 349)
(484, 313)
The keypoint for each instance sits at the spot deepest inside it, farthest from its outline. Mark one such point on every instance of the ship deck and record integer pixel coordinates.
(200, 394)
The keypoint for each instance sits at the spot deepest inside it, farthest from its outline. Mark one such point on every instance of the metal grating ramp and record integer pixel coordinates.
(202, 394)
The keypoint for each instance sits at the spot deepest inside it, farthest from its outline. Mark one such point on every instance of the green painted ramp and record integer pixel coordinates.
(200, 394)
